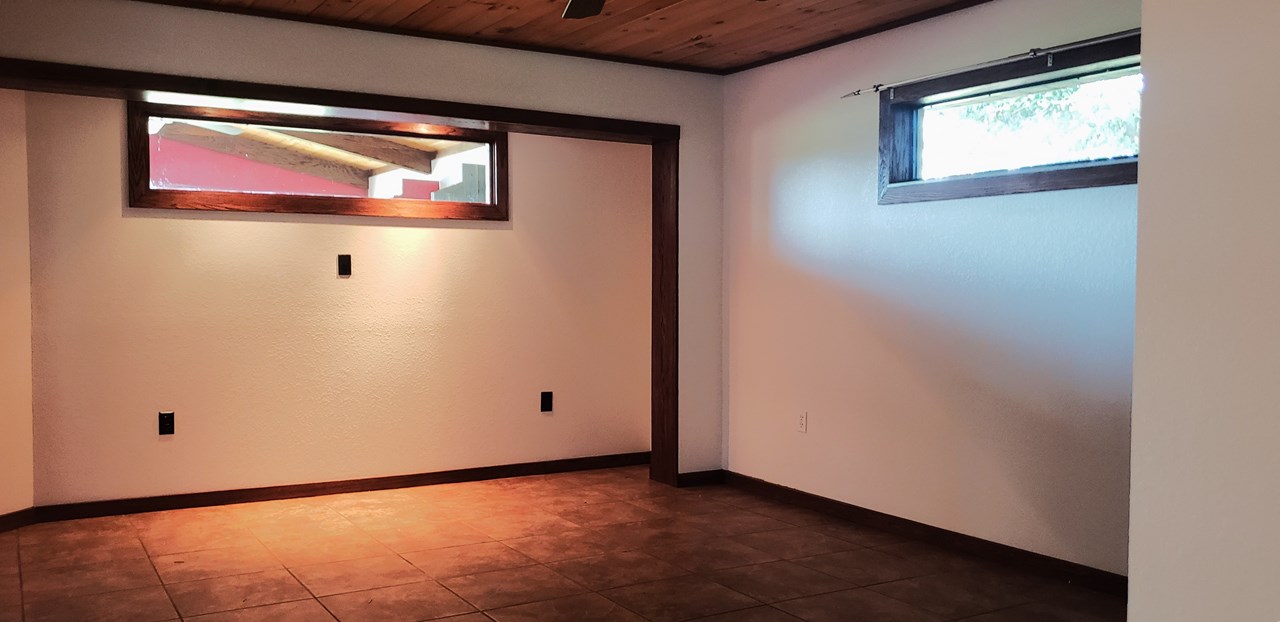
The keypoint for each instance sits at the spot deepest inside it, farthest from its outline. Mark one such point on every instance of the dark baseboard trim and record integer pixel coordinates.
(16, 520)
(93, 509)
(1070, 572)
(700, 478)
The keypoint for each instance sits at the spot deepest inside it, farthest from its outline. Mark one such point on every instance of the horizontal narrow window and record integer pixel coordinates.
(253, 160)
(1066, 120)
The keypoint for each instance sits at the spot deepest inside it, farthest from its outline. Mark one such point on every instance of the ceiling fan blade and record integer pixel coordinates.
(579, 9)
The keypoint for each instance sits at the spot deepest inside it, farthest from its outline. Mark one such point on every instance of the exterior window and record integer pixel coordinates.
(251, 160)
(1030, 125)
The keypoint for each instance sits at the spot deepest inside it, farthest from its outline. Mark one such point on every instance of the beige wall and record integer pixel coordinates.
(15, 309)
(965, 363)
(1205, 419)
(430, 357)
(135, 35)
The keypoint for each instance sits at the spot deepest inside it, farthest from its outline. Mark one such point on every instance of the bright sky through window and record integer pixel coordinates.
(1079, 120)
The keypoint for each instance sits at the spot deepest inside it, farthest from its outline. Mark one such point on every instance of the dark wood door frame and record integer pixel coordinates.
(663, 138)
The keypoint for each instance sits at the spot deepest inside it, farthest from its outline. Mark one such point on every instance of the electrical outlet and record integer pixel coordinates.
(803, 426)
(166, 423)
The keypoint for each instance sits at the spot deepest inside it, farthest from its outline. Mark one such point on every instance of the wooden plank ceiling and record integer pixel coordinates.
(712, 36)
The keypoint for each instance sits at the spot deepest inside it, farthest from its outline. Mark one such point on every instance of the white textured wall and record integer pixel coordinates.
(965, 364)
(1206, 426)
(15, 309)
(430, 357)
(134, 35)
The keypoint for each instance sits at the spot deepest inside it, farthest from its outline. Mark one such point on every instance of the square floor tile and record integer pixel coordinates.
(710, 554)
(581, 608)
(307, 551)
(357, 575)
(857, 534)
(755, 614)
(170, 540)
(9, 556)
(961, 594)
(213, 563)
(148, 604)
(679, 599)
(427, 536)
(10, 591)
(517, 586)
(402, 603)
(858, 605)
(686, 504)
(863, 566)
(612, 513)
(800, 517)
(794, 543)
(1049, 612)
(91, 550)
(733, 522)
(236, 592)
(75, 531)
(563, 545)
(612, 570)
(651, 533)
(777, 581)
(470, 559)
(931, 559)
(88, 579)
(509, 526)
(299, 611)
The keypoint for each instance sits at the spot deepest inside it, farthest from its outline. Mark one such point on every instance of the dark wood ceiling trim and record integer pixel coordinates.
(409, 32)
(133, 85)
(875, 30)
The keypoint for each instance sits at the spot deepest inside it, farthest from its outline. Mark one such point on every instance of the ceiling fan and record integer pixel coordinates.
(579, 9)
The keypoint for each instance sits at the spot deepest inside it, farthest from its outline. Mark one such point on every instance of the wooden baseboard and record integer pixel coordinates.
(93, 509)
(15, 520)
(1070, 572)
(700, 478)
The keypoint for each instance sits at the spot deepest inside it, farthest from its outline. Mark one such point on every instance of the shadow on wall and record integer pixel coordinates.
(985, 345)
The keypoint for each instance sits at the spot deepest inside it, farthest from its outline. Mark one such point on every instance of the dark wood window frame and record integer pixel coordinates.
(663, 138)
(900, 123)
(141, 194)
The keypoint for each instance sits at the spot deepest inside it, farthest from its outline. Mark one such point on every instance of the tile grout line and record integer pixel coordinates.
(155, 570)
(364, 530)
(273, 555)
(22, 596)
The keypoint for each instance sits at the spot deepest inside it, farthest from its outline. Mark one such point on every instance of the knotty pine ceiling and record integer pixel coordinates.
(710, 36)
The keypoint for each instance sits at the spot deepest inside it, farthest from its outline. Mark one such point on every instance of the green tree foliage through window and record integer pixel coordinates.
(1079, 120)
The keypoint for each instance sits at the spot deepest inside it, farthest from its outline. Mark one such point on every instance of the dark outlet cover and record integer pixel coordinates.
(546, 401)
(344, 265)
(166, 423)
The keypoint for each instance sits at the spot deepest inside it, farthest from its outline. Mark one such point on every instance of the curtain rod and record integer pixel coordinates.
(1033, 53)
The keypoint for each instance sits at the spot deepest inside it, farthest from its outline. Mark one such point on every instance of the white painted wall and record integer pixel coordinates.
(141, 36)
(1205, 426)
(15, 308)
(965, 364)
(430, 357)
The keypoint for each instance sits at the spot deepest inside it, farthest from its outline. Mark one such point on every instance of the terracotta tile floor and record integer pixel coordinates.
(577, 547)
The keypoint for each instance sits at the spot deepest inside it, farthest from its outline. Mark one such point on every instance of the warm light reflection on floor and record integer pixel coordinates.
(594, 545)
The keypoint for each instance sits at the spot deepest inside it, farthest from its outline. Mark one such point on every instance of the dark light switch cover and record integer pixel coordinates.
(546, 401)
(166, 423)
(344, 265)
